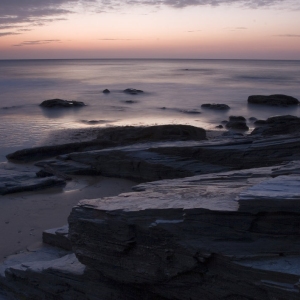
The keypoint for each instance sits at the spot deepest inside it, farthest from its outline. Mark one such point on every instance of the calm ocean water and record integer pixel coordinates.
(179, 86)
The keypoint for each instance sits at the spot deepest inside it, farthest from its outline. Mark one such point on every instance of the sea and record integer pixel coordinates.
(174, 91)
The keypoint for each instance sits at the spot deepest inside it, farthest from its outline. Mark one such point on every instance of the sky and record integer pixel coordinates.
(192, 29)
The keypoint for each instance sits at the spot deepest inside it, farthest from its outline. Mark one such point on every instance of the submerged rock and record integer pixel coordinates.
(273, 100)
(237, 119)
(237, 125)
(106, 91)
(216, 106)
(61, 103)
(133, 91)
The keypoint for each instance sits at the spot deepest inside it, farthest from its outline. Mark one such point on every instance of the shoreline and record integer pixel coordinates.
(26, 215)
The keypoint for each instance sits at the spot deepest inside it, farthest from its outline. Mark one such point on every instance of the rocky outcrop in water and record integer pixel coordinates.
(237, 123)
(216, 106)
(273, 100)
(56, 103)
(278, 125)
(133, 91)
(111, 137)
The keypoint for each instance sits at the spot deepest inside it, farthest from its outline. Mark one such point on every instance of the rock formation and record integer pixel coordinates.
(133, 91)
(61, 103)
(273, 100)
(231, 235)
(278, 125)
(218, 221)
(216, 106)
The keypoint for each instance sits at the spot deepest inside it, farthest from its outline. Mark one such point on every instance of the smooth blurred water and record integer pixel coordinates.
(179, 86)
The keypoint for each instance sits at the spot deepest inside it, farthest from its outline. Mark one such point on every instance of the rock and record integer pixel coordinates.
(61, 103)
(216, 106)
(278, 125)
(62, 169)
(232, 134)
(106, 91)
(38, 153)
(237, 119)
(58, 237)
(274, 100)
(206, 233)
(224, 122)
(131, 134)
(15, 182)
(259, 123)
(219, 126)
(155, 161)
(230, 230)
(133, 91)
(237, 125)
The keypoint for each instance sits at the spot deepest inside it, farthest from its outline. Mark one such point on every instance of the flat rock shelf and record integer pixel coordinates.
(211, 219)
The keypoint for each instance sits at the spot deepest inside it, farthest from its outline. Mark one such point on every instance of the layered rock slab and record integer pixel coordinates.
(155, 161)
(187, 238)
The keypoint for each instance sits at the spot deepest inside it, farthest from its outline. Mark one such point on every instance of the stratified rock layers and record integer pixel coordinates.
(198, 237)
(229, 231)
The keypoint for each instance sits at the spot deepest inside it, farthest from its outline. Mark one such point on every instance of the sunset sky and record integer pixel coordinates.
(238, 29)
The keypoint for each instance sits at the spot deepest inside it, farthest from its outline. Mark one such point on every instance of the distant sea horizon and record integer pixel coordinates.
(174, 90)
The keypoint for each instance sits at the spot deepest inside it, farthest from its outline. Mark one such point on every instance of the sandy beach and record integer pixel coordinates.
(24, 216)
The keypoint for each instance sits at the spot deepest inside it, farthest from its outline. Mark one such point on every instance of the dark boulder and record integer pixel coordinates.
(133, 91)
(274, 100)
(61, 103)
(279, 125)
(216, 106)
(237, 125)
(220, 126)
(237, 119)
(106, 91)
(259, 123)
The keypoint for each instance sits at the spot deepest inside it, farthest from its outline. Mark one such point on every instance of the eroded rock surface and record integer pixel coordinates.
(187, 231)
(231, 235)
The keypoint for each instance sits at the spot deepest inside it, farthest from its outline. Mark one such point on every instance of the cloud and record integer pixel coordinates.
(289, 35)
(8, 33)
(36, 42)
(29, 13)
(186, 3)
(118, 39)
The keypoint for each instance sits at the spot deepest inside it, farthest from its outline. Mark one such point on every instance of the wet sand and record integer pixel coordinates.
(24, 216)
